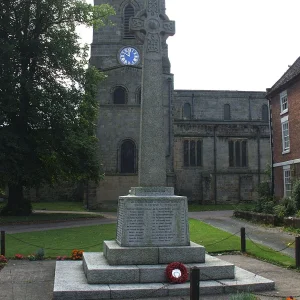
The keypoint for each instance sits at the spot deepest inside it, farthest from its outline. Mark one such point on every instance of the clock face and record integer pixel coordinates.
(129, 56)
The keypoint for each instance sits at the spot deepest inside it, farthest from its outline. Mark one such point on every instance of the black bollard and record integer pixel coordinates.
(2, 243)
(243, 239)
(297, 251)
(194, 283)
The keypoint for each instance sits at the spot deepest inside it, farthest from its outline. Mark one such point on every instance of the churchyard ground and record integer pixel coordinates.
(61, 242)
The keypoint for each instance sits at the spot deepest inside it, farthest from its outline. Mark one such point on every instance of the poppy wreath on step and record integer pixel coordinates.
(176, 272)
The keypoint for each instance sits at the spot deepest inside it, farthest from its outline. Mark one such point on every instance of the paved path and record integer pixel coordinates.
(271, 237)
(33, 280)
(274, 238)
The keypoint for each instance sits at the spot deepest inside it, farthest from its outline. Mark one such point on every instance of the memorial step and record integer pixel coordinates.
(117, 255)
(98, 271)
(71, 283)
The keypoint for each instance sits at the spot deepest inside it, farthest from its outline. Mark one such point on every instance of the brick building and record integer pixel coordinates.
(284, 97)
(217, 142)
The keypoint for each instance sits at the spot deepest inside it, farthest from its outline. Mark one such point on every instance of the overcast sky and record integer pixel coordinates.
(243, 45)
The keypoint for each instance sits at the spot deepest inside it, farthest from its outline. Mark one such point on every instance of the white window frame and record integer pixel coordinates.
(287, 182)
(284, 107)
(285, 133)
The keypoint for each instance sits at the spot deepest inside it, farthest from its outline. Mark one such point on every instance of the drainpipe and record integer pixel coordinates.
(193, 97)
(258, 153)
(215, 164)
(271, 146)
(249, 104)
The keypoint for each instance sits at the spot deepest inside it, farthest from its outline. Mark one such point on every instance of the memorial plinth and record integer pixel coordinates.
(150, 217)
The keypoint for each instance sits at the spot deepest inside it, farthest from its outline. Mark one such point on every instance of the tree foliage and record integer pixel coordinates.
(48, 107)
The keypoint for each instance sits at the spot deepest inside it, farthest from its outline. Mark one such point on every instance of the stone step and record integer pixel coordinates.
(98, 271)
(117, 255)
(70, 283)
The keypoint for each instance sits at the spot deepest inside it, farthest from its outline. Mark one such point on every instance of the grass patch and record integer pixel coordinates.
(44, 218)
(62, 241)
(212, 207)
(78, 206)
(59, 206)
(210, 237)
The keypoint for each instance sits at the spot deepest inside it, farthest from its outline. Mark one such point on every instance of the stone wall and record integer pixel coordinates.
(215, 181)
(106, 194)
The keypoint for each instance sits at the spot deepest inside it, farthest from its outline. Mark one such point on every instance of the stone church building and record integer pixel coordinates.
(217, 142)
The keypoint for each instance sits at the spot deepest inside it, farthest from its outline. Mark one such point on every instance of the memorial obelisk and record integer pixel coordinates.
(151, 215)
(152, 27)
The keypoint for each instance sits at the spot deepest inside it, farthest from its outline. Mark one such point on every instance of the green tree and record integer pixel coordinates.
(48, 107)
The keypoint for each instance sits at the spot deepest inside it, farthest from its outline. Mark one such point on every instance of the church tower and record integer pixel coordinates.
(116, 52)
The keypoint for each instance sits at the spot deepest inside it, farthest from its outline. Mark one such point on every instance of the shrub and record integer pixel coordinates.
(296, 193)
(19, 256)
(280, 211)
(265, 205)
(77, 254)
(39, 254)
(3, 259)
(287, 207)
(31, 257)
(243, 296)
(264, 190)
(61, 257)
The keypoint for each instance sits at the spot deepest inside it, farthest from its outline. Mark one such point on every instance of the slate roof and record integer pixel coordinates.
(290, 74)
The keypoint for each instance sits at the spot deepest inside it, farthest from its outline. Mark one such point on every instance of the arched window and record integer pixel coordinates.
(120, 95)
(139, 96)
(187, 111)
(128, 157)
(227, 115)
(128, 13)
(265, 113)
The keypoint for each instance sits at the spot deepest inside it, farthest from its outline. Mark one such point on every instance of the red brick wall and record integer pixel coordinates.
(278, 182)
(293, 93)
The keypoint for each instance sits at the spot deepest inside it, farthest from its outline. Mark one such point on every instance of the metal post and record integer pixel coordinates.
(243, 239)
(194, 283)
(297, 251)
(2, 243)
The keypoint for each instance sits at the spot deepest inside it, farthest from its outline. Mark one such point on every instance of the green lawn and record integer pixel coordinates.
(214, 207)
(63, 241)
(78, 206)
(44, 217)
(59, 206)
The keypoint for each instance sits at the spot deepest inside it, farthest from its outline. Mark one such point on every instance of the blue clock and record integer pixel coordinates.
(129, 56)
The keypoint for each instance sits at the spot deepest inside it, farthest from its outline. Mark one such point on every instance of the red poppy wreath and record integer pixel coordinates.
(176, 272)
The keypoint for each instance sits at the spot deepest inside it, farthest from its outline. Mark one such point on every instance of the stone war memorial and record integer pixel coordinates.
(152, 224)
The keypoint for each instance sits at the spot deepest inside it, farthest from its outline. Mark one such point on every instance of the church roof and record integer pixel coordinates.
(289, 75)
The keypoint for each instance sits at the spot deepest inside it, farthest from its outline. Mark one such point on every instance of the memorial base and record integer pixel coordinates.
(117, 255)
(95, 278)
(152, 217)
(152, 231)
